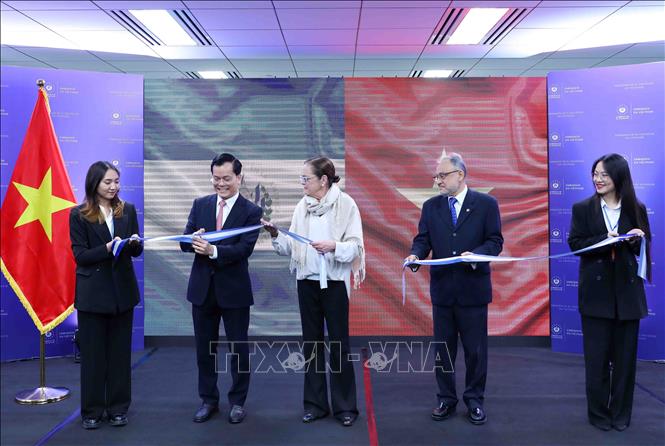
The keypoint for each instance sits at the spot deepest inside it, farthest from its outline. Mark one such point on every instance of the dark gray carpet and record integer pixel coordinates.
(534, 397)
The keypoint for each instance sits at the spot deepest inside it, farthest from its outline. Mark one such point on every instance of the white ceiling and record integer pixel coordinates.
(330, 38)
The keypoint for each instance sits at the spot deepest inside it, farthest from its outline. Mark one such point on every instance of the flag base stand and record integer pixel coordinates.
(42, 394)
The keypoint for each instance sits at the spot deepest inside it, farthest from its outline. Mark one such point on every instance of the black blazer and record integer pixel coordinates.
(102, 284)
(478, 230)
(606, 288)
(230, 270)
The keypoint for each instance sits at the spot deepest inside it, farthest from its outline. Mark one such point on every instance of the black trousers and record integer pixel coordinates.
(331, 306)
(206, 319)
(609, 388)
(471, 325)
(106, 372)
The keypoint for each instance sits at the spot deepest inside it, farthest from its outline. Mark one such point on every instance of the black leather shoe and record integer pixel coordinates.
(442, 412)
(237, 414)
(119, 419)
(91, 423)
(309, 417)
(348, 421)
(477, 416)
(620, 427)
(204, 413)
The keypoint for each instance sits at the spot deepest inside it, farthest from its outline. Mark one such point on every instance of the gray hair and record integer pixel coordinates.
(455, 159)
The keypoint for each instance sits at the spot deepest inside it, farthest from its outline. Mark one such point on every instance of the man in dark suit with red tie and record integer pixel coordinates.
(219, 286)
(460, 221)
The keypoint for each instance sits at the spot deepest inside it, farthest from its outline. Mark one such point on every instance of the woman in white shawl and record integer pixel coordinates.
(330, 218)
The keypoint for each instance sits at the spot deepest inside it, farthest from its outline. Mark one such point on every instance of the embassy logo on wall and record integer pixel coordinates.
(557, 284)
(556, 235)
(556, 187)
(623, 112)
(555, 140)
(116, 118)
(557, 332)
(553, 92)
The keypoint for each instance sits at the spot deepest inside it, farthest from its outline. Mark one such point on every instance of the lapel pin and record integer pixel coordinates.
(468, 210)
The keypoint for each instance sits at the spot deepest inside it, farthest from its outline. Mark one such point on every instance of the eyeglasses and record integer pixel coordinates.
(442, 175)
(304, 179)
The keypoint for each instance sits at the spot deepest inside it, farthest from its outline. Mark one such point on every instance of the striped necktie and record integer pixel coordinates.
(453, 212)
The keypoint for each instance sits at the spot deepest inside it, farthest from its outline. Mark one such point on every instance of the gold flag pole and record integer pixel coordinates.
(42, 394)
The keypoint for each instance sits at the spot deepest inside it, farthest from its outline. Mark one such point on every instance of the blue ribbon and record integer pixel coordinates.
(478, 258)
(214, 236)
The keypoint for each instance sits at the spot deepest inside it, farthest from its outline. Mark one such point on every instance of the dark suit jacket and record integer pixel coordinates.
(606, 288)
(478, 230)
(229, 270)
(102, 284)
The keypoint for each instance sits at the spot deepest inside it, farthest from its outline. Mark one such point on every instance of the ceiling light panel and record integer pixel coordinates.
(213, 74)
(437, 73)
(475, 25)
(162, 24)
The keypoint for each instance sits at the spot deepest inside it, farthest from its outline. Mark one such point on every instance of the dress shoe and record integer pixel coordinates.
(477, 416)
(204, 413)
(309, 417)
(237, 414)
(348, 420)
(620, 427)
(91, 423)
(119, 419)
(442, 412)
(602, 427)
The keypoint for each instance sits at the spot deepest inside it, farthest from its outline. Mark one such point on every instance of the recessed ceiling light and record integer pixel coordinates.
(213, 74)
(163, 25)
(437, 73)
(475, 24)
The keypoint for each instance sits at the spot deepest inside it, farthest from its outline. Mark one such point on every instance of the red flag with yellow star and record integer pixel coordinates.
(35, 254)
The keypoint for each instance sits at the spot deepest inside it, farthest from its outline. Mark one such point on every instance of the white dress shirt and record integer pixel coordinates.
(109, 219)
(611, 216)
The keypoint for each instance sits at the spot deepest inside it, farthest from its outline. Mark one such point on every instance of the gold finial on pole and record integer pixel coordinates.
(41, 83)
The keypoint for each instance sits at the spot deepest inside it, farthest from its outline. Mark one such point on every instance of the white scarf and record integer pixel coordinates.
(345, 227)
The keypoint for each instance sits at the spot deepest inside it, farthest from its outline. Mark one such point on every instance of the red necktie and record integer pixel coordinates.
(220, 215)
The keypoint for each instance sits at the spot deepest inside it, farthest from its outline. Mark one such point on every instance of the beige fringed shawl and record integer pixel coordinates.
(345, 223)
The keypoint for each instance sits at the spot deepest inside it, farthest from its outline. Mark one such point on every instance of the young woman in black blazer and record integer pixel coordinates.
(611, 294)
(106, 294)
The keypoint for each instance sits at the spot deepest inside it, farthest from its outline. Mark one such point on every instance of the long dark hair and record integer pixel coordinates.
(617, 168)
(95, 175)
(323, 166)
